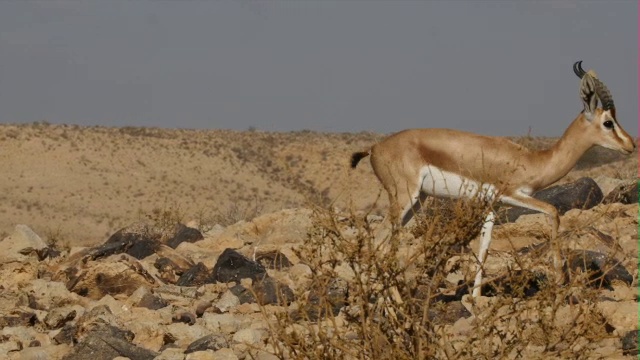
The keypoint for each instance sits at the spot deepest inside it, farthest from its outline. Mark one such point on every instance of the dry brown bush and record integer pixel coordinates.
(393, 290)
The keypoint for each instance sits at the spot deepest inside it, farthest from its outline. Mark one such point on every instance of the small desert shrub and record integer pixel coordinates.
(55, 239)
(241, 210)
(374, 297)
(164, 218)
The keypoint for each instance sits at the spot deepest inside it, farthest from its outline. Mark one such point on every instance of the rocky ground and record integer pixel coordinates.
(161, 290)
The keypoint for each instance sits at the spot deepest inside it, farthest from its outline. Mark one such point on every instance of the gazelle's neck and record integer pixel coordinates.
(565, 153)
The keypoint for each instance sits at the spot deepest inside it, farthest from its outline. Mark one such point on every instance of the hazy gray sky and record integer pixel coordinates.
(495, 67)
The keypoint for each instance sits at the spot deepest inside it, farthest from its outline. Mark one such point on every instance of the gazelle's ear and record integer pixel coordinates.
(588, 96)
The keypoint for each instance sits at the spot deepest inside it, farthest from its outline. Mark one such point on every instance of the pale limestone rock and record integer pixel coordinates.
(186, 334)
(15, 247)
(201, 355)
(249, 336)
(607, 184)
(171, 354)
(227, 301)
(51, 294)
(225, 354)
(623, 315)
(48, 352)
(263, 355)
(223, 323)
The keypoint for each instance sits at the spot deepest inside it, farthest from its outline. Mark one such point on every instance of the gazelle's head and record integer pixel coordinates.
(603, 126)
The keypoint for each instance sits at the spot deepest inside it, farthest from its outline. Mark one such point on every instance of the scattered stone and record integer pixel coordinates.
(603, 269)
(249, 336)
(333, 296)
(21, 244)
(224, 354)
(9, 346)
(66, 334)
(108, 342)
(18, 317)
(518, 283)
(227, 301)
(623, 193)
(42, 352)
(232, 266)
(171, 353)
(273, 260)
(184, 234)
(45, 295)
(202, 307)
(447, 313)
(222, 323)
(170, 264)
(198, 275)
(35, 343)
(630, 343)
(264, 292)
(138, 240)
(100, 314)
(152, 301)
(58, 317)
(201, 355)
(584, 193)
(176, 293)
(300, 273)
(210, 342)
(179, 266)
(185, 317)
(116, 275)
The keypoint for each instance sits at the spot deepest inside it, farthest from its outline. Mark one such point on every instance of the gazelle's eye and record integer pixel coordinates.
(608, 124)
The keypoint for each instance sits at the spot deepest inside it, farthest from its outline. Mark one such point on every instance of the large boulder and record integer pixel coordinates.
(233, 266)
(583, 193)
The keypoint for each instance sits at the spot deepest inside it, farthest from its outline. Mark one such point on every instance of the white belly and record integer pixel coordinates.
(440, 183)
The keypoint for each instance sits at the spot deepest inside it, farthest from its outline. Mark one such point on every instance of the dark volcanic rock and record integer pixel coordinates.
(196, 276)
(233, 266)
(58, 317)
(603, 269)
(210, 342)
(66, 334)
(18, 318)
(152, 301)
(108, 342)
(447, 313)
(518, 283)
(321, 298)
(273, 260)
(265, 291)
(138, 241)
(625, 194)
(630, 343)
(165, 265)
(584, 193)
(184, 234)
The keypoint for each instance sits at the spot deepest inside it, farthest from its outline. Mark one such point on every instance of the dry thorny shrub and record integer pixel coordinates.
(371, 299)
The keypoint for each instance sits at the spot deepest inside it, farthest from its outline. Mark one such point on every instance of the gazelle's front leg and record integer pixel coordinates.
(485, 241)
(554, 219)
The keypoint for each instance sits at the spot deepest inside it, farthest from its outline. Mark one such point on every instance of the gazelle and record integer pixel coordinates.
(457, 164)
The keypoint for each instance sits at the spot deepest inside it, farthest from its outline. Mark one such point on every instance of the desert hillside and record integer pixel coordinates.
(80, 184)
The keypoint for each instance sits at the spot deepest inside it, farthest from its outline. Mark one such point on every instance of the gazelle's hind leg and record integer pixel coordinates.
(402, 207)
(485, 241)
(412, 209)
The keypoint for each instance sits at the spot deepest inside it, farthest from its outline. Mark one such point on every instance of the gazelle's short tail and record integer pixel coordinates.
(357, 156)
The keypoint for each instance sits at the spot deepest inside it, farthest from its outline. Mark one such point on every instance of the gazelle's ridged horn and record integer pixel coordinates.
(577, 68)
(603, 94)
